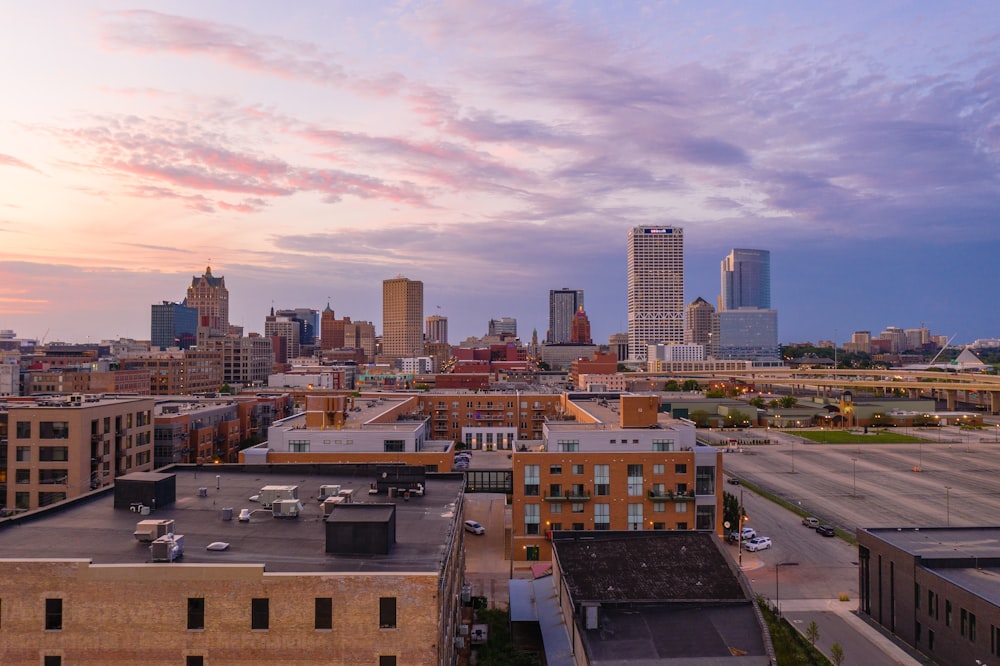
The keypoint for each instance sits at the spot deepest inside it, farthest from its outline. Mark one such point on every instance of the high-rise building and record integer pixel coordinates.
(402, 317)
(655, 288)
(503, 326)
(437, 329)
(698, 322)
(276, 326)
(208, 294)
(746, 334)
(580, 331)
(563, 305)
(331, 335)
(307, 318)
(360, 335)
(173, 325)
(746, 280)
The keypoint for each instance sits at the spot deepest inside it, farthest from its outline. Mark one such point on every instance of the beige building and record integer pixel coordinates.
(181, 372)
(372, 581)
(402, 317)
(211, 298)
(59, 449)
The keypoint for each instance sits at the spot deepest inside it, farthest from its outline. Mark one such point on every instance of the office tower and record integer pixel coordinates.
(307, 318)
(503, 326)
(173, 325)
(563, 305)
(618, 343)
(331, 336)
(402, 317)
(360, 335)
(580, 330)
(698, 322)
(437, 329)
(746, 280)
(746, 334)
(896, 338)
(655, 288)
(286, 328)
(208, 294)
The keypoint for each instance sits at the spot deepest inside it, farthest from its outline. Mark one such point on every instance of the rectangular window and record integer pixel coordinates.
(602, 516)
(23, 454)
(555, 490)
(947, 613)
(578, 527)
(930, 603)
(53, 430)
(532, 474)
(659, 526)
(681, 507)
(680, 468)
(386, 660)
(568, 446)
(659, 507)
(387, 612)
(52, 660)
(965, 619)
(395, 446)
(24, 429)
(658, 468)
(22, 476)
(578, 469)
(53, 476)
(916, 596)
(662, 444)
(972, 627)
(298, 446)
(635, 517)
(577, 507)
(555, 527)
(682, 526)
(930, 640)
(634, 480)
(704, 480)
(555, 469)
(602, 480)
(704, 517)
(53, 614)
(324, 613)
(555, 507)
(531, 519)
(260, 613)
(196, 612)
(194, 660)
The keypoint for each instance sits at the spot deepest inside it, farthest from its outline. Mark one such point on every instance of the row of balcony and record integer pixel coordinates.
(584, 495)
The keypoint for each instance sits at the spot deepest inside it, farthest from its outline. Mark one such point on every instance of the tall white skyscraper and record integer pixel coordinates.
(655, 288)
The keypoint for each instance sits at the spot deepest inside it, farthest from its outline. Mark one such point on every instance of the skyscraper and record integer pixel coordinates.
(211, 298)
(563, 305)
(173, 325)
(581, 329)
(402, 317)
(746, 280)
(502, 326)
(698, 323)
(437, 329)
(655, 288)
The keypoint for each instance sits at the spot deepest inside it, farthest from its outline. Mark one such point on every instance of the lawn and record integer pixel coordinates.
(850, 437)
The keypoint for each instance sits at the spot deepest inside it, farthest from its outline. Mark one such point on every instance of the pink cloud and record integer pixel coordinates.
(7, 160)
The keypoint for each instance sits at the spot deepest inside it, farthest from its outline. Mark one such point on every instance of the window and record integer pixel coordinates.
(635, 517)
(324, 613)
(680, 507)
(681, 468)
(964, 615)
(602, 516)
(298, 446)
(52, 476)
(659, 526)
(930, 603)
(531, 476)
(52, 660)
(704, 480)
(602, 480)
(24, 429)
(578, 527)
(555, 489)
(661, 444)
(635, 480)
(386, 660)
(916, 596)
(555, 469)
(972, 627)
(531, 519)
(192, 660)
(23, 454)
(196, 612)
(260, 615)
(53, 614)
(387, 612)
(22, 500)
(658, 469)
(916, 633)
(947, 613)
(53, 430)
(395, 446)
(659, 490)
(659, 507)
(578, 469)
(682, 526)
(555, 527)
(681, 489)
(22, 476)
(705, 517)
(568, 446)
(556, 507)
(930, 640)
(576, 507)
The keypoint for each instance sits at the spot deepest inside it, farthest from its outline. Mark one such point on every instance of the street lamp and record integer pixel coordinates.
(777, 588)
(793, 456)
(947, 505)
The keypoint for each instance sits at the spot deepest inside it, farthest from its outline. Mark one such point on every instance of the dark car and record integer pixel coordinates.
(733, 480)
(826, 530)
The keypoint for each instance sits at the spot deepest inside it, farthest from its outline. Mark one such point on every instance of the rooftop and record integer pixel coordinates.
(91, 528)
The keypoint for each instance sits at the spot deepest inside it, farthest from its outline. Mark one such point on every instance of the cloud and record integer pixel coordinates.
(8, 160)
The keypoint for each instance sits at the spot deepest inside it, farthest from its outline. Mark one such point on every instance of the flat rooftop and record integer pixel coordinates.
(367, 413)
(91, 528)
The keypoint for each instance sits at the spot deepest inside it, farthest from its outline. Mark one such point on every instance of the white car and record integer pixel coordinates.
(748, 533)
(758, 543)
(474, 527)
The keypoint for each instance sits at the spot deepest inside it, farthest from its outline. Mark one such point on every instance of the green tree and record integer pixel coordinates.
(836, 654)
(757, 402)
(788, 401)
(672, 385)
(691, 385)
(737, 419)
(700, 418)
(225, 388)
(715, 394)
(812, 632)
(730, 509)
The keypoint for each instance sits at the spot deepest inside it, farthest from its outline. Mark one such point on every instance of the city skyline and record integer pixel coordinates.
(308, 152)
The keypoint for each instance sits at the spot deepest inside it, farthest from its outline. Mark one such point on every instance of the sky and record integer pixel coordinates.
(307, 151)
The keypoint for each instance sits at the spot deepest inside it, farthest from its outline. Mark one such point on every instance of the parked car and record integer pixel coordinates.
(733, 480)
(748, 533)
(811, 522)
(474, 527)
(827, 530)
(758, 543)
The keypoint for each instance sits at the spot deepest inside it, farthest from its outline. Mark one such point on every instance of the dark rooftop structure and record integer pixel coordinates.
(645, 597)
(91, 527)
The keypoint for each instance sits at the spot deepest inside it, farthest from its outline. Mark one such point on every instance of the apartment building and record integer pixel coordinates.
(58, 449)
(355, 583)
(613, 464)
(181, 372)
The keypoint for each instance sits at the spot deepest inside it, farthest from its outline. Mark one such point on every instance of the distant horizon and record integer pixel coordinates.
(309, 150)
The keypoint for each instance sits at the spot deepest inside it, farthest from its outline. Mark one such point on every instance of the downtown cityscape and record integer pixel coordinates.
(458, 332)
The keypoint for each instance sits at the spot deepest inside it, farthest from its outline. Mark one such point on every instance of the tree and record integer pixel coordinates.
(812, 632)
(715, 394)
(690, 385)
(836, 654)
(737, 418)
(788, 401)
(730, 509)
(671, 385)
(700, 418)
(757, 402)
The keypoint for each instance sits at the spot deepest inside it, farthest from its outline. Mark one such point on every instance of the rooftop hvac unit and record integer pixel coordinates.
(167, 548)
(286, 508)
(459, 642)
(328, 491)
(227, 513)
(244, 515)
(590, 610)
(268, 494)
(347, 494)
(329, 503)
(463, 630)
(203, 492)
(149, 530)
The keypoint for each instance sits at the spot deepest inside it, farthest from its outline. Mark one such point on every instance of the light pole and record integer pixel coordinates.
(793, 456)
(854, 475)
(777, 588)
(947, 505)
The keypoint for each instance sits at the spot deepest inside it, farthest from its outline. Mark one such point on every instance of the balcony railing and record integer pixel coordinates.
(671, 496)
(582, 495)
